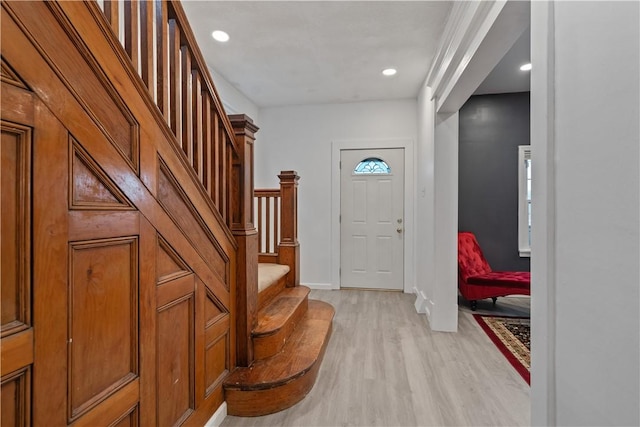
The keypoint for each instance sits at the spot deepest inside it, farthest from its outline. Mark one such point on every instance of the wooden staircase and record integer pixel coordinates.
(289, 341)
(281, 335)
(150, 193)
(289, 333)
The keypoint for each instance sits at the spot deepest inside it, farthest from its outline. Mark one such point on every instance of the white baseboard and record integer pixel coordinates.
(440, 323)
(217, 418)
(421, 301)
(428, 306)
(428, 309)
(319, 286)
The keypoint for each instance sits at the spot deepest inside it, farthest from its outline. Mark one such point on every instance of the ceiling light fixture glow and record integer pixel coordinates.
(220, 36)
(389, 71)
(526, 67)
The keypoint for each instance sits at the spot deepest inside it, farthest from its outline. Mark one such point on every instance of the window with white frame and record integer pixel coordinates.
(524, 200)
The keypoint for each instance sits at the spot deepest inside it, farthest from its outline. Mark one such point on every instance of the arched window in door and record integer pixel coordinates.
(372, 165)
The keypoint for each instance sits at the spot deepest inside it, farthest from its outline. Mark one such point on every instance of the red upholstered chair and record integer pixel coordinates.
(477, 281)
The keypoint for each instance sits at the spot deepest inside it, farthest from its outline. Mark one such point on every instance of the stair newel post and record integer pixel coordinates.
(289, 247)
(244, 230)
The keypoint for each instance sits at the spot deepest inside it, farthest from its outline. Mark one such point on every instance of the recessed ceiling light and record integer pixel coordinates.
(220, 36)
(526, 67)
(389, 71)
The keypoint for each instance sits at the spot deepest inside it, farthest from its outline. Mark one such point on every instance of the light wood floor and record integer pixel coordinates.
(385, 367)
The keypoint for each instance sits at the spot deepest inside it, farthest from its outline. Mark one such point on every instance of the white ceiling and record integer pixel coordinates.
(305, 52)
(309, 52)
(506, 75)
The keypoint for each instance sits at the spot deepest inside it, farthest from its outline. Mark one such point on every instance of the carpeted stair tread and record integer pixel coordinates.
(271, 281)
(303, 350)
(275, 315)
(269, 274)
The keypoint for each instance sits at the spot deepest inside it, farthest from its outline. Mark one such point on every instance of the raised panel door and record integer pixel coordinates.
(16, 345)
(371, 226)
(70, 268)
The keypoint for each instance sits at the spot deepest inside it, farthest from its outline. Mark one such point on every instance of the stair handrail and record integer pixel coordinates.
(267, 203)
(158, 40)
(277, 224)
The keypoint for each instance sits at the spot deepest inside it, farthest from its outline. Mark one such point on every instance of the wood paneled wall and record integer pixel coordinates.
(118, 267)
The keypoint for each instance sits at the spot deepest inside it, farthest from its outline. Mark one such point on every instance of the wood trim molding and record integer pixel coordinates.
(460, 31)
(476, 37)
(132, 157)
(92, 11)
(458, 34)
(543, 264)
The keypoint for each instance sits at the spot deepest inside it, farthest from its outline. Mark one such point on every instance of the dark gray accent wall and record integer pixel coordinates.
(491, 128)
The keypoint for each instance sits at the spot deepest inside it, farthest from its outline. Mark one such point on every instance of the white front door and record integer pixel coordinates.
(372, 218)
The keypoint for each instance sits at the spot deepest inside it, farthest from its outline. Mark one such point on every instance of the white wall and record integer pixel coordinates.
(542, 140)
(437, 210)
(444, 299)
(592, 365)
(234, 101)
(300, 138)
(425, 226)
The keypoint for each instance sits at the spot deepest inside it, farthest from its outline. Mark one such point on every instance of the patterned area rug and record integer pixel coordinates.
(512, 336)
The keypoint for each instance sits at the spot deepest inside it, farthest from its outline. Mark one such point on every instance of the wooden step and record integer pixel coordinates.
(271, 280)
(278, 319)
(280, 381)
